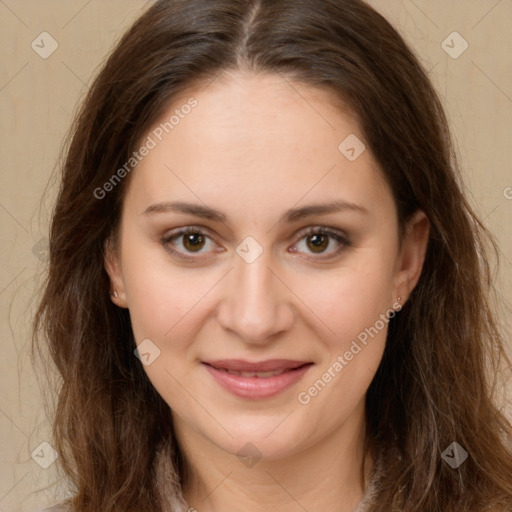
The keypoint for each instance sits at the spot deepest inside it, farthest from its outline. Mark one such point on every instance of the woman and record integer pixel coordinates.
(266, 288)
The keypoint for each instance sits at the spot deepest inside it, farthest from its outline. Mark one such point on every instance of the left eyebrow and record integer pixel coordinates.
(292, 215)
(295, 214)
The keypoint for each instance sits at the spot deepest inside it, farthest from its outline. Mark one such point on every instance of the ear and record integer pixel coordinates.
(113, 267)
(412, 255)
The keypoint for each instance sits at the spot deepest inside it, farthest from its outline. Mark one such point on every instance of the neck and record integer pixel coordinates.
(326, 475)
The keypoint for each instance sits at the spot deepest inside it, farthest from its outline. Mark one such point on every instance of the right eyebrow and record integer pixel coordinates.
(197, 210)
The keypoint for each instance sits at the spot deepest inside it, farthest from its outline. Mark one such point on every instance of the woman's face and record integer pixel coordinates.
(271, 277)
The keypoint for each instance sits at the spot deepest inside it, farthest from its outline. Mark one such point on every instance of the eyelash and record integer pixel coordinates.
(316, 230)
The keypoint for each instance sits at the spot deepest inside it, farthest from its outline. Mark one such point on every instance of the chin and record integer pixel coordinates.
(266, 438)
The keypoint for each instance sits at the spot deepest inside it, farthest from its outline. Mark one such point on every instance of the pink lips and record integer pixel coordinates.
(275, 375)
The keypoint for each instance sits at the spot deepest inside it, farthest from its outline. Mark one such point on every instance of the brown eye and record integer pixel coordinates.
(323, 242)
(188, 242)
(318, 242)
(193, 241)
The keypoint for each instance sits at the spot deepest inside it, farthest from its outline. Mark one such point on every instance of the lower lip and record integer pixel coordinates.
(257, 387)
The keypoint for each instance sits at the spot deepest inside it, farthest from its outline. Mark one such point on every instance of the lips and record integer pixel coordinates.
(270, 365)
(261, 375)
(254, 380)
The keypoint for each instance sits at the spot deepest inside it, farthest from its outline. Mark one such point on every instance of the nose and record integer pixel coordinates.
(256, 303)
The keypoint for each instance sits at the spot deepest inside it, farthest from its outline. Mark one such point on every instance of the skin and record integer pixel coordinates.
(255, 146)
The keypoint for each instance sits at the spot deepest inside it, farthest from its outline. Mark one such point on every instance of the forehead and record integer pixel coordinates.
(256, 139)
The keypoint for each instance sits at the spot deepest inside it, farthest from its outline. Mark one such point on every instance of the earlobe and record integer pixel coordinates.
(113, 269)
(412, 257)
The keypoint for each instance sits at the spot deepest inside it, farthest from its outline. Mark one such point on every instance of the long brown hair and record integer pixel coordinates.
(436, 380)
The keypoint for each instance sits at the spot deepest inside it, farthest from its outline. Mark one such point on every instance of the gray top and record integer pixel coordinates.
(174, 501)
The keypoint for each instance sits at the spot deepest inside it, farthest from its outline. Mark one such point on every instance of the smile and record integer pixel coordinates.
(256, 380)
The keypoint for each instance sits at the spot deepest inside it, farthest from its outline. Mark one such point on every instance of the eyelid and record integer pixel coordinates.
(178, 232)
(340, 236)
(322, 229)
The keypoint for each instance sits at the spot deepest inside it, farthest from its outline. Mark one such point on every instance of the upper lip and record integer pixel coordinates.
(260, 366)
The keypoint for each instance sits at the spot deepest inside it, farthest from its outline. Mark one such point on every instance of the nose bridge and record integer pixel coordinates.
(256, 305)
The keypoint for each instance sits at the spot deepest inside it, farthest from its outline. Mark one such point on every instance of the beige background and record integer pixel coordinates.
(38, 97)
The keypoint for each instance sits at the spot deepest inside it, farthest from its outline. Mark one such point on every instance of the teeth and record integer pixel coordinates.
(261, 375)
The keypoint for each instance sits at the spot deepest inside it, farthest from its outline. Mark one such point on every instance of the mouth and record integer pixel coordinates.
(256, 380)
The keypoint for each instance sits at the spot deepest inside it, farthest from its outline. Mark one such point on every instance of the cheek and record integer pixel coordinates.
(355, 306)
(159, 294)
(349, 299)
(165, 307)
